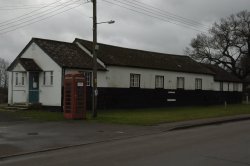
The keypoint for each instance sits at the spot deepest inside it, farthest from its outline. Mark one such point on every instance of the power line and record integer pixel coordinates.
(30, 18)
(169, 13)
(23, 7)
(1, 33)
(18, 8)
(151, 15)
(29, 13)
(157, 14)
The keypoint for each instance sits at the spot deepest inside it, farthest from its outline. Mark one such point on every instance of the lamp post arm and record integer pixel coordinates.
(109, 22)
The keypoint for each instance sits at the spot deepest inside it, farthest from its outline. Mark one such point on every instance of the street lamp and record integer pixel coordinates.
(94, 49)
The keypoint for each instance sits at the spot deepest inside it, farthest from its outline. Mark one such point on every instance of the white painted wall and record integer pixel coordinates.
(119, 77)
(48, 95)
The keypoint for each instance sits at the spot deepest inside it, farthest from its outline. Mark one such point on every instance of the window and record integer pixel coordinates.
(135, 80)
(23, 79)
(159, 81)
(88, 77)
(51, 78)
(228, 86)
(20, 79)
(198, 83)
(180, 82)
(221, 86)
(16, 78)
(48, 78)
(235, 87)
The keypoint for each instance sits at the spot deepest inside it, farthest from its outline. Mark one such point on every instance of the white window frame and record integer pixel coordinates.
(19, 79)
(221, 86)
(23, 79)
(235, 87)
(88, 78)
(179, 86)
(48, 78)
(135, 80)
(198, 84)
(159, 82)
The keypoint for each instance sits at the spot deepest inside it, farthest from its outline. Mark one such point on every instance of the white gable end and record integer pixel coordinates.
(48, 95)
(19, 68)
(40, 57)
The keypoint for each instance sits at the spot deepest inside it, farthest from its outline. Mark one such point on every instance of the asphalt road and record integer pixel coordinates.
(218, 145)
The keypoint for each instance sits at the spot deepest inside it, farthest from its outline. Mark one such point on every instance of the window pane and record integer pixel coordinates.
(88, 77)
(48, 78)
(235, 87)
(51, 78)
(23, 75)
(180, 82)
(221, 86)
(198, 83)
(134, 80)
(159, 81)
(44, 78)
(16, 78)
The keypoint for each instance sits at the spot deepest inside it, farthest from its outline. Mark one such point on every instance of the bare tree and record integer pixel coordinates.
(226, 44)
(3, 73)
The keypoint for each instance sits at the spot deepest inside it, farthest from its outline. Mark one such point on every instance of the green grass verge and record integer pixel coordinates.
(166, 115)
(137, 116)
(32, 115)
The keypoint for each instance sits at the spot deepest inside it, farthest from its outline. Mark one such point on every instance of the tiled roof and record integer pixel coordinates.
(65, 54)
(221, 74)
(118, 56)
(29, 64)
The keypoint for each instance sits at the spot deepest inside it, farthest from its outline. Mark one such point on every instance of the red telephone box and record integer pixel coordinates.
(74, 96)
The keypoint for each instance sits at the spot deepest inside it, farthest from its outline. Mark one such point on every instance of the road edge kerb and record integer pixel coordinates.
(176, 128)
(216, 122)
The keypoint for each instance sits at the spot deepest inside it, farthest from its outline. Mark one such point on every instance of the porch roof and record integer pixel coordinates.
(29, 64)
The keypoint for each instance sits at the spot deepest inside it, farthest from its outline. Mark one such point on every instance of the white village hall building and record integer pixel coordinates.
(126, 77)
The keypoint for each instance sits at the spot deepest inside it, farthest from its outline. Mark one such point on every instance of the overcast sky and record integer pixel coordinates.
(131, 29)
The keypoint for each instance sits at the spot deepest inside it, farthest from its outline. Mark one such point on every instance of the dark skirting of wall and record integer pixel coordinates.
(112, 98)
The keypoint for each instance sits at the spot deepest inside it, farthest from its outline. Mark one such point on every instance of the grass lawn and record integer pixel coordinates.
(40, 115)
(166, 115)
(138, 116)
(31, 115)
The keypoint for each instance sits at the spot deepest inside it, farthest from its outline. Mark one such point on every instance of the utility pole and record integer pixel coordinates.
(94, 89)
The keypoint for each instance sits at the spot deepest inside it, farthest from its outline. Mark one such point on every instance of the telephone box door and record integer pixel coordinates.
(74, 97)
